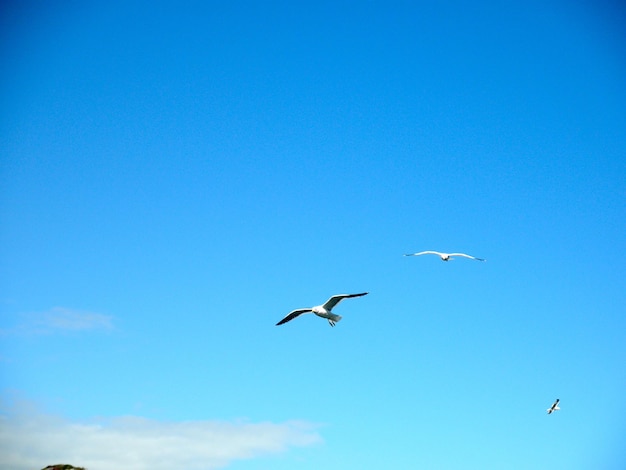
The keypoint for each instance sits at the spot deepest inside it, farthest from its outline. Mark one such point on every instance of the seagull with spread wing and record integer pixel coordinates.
(323, 310)
(554, 407)
(444, 256)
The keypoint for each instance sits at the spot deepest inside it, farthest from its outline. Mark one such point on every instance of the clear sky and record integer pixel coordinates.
(177, 176)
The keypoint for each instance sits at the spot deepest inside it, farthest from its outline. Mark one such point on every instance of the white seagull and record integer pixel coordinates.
(554, 407)
(444, 256)
(323, 310)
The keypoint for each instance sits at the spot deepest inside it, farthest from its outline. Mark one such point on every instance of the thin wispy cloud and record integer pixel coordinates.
(59, 320)
(33, 440)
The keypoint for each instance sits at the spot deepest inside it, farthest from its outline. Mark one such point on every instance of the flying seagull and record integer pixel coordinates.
(444, 256)
(323, 310)
(554, 407)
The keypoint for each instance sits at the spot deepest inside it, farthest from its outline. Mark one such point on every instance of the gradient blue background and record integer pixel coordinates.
(176, 177)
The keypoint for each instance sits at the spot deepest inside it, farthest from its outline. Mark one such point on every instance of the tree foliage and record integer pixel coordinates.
(63, 467)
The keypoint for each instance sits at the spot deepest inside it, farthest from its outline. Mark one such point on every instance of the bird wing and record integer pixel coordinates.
(425, 253)
(335, 299)
(295, 313)
(554, 406)
(466, 256)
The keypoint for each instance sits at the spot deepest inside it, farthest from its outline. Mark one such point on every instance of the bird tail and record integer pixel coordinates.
(332, 318)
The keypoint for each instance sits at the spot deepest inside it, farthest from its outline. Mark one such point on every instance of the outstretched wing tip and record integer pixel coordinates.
(293, 314)
(349, 296)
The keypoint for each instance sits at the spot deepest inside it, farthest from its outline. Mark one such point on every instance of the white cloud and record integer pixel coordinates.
(31, 440)
(60, 319)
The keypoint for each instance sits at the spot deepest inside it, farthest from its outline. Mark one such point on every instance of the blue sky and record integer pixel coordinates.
(175, 178)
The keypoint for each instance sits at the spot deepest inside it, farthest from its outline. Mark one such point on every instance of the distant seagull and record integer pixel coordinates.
(444, 256)
(323, 310)
(554, 407)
